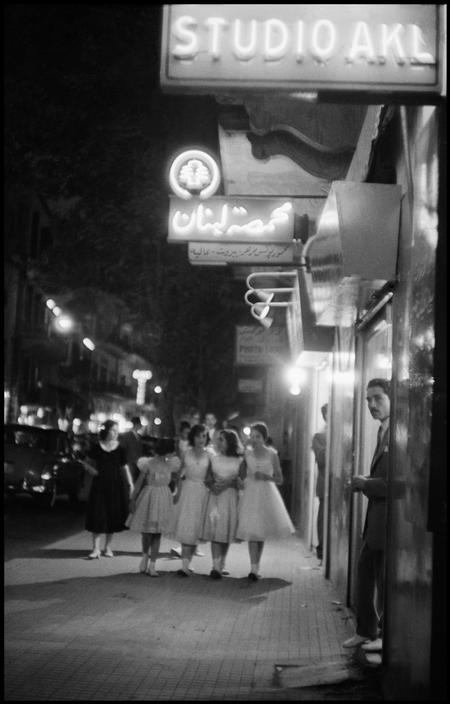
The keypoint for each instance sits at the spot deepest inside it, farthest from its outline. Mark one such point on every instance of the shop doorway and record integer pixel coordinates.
(374, 360)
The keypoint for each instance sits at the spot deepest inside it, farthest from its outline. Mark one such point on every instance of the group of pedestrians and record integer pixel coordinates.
(212, 491)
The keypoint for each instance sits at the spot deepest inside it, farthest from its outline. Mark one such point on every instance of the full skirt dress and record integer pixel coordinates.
(221, 510)
(154, 510)
(262, 513)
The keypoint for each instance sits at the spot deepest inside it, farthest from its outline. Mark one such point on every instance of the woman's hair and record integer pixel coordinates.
(184, 424)
(164, 446)
(234, 445)
(261, 428)
(105, 428)
(197, 430)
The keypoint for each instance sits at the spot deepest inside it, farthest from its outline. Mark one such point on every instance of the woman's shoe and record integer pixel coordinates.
(143, 564)
(109, 553)
(94, 555)
(182, 573)
(215, 574)
(152, 572)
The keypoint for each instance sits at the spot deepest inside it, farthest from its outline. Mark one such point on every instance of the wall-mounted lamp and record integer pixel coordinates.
(261, 308)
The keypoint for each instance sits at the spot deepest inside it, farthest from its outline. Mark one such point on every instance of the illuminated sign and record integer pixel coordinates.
(142, 376)
(223, 253)
(302, 47)
(231, 219)
(194, 173)
(255, 345)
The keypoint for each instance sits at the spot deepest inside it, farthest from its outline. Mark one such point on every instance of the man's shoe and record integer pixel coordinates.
(253, 577)
(354, 641)
(373, 659)
(215, 574)
(373, 646)
(182, 573)
(225, 573)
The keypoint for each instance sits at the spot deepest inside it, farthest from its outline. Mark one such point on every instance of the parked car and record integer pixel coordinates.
(40, 461)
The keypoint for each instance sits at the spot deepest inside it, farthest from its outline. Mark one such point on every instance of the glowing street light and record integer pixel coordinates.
(64, 323)
(157, 389)
(88, 343)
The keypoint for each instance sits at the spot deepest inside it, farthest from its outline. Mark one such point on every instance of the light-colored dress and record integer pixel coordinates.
(261, 512)
(154, 504)
(221, 512)
(190, 509)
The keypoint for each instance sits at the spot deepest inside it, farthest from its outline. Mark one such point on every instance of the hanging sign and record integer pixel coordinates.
(231, 219)
(353, 48)
(255, 345)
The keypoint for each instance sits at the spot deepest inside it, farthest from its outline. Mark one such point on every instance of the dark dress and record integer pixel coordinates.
(108, 503)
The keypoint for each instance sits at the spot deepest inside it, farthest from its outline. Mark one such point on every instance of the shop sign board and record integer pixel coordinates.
(250, 386)
(353, 48)
(231, 219)
(256, 345)
(209, 253)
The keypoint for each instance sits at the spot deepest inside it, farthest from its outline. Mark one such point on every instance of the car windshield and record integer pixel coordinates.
(36, 438)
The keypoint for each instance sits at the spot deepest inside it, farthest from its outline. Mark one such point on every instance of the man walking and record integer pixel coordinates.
(370, 570)
(132, 444)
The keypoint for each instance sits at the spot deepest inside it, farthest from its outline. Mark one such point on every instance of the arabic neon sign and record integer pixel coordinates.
(302, 47)
(233, 219)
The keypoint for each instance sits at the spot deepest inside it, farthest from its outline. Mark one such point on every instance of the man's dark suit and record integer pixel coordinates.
(371, 558)
(133, 450)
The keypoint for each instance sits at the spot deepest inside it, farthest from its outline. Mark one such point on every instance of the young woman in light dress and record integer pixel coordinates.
(191, 496)
(151, 503)
(261, 513)
(221, 512)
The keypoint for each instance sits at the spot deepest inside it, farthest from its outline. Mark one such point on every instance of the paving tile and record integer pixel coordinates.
(103, 632)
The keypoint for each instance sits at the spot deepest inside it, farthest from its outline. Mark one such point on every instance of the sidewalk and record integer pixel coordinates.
(99, 630)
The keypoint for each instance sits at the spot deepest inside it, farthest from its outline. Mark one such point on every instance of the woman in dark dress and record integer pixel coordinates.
(108, 502)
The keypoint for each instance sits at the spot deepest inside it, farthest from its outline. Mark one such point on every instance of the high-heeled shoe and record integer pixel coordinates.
(94, 555)
(152, 572)
(108, 553)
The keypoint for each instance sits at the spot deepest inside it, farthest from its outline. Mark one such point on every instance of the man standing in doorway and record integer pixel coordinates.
(370, 570)
(319, 447)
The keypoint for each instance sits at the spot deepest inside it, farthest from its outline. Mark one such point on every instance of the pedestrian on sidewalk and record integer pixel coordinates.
(370, 569)
(131, 441)
(220, 521)
(191, 496)
(262, 513)
(151, 504)
(319, 447)
(108, 501)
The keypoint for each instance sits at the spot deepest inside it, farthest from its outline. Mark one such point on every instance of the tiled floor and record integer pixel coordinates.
(86, 630)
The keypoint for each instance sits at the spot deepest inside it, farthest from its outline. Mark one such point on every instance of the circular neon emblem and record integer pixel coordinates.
(194, 173)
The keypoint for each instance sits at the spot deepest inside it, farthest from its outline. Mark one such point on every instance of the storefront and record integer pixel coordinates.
(370, 272)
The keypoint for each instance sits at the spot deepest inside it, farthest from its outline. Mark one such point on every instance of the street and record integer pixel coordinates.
(85, 630)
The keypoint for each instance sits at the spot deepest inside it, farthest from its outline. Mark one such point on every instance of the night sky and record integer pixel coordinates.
(88, 127)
